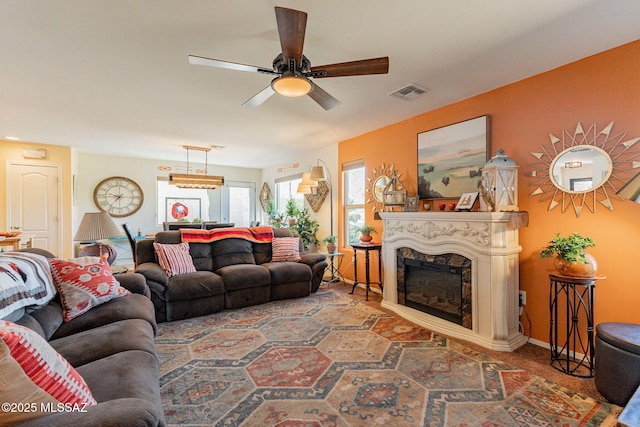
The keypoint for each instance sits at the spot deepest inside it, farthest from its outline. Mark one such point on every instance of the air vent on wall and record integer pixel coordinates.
(409, 92)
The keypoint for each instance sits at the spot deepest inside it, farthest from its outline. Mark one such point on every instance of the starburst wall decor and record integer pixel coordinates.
(610, 158)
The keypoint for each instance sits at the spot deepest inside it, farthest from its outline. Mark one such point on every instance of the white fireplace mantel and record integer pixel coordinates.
(490, 241)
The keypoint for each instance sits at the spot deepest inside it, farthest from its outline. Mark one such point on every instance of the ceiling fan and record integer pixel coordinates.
(293, 71)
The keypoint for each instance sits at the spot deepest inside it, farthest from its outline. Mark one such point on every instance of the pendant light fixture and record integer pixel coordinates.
(189, 180)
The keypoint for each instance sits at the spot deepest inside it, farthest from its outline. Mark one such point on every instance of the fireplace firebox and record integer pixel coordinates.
(439, 285)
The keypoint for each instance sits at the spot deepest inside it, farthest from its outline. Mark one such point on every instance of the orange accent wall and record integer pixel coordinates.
(596, 90)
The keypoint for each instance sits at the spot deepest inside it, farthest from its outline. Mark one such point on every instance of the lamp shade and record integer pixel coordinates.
(318, 173)
(306, 180)
(96, 226)
(631, 190)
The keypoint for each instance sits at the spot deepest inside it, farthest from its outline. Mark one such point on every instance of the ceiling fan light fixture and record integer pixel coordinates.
(292, 86)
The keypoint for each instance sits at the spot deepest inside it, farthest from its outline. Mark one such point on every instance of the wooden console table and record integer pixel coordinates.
(13, 242)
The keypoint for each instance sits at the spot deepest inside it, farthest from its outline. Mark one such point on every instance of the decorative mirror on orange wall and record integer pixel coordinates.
(583, 169)
(376, 182)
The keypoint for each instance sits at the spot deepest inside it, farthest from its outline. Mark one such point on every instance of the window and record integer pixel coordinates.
(234, 202)
(287, 188)
(193, 203)
(354, 187)
(238, 202)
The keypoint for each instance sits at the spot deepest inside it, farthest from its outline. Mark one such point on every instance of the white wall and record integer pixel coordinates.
(297, 165)
(91, 169)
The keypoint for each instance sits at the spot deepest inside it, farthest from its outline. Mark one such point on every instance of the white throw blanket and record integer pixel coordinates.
(25, 280)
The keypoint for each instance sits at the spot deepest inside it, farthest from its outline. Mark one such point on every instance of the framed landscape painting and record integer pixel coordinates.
(451, 158)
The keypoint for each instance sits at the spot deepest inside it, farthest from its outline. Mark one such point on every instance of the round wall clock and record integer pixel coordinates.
(119, 196)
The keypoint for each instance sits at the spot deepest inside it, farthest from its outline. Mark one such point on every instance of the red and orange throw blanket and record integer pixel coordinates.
(262, 234)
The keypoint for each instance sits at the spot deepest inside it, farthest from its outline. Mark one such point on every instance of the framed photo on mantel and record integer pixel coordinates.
(451, 158)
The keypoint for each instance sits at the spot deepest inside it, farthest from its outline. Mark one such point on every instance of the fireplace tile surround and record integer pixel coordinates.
(490, 241)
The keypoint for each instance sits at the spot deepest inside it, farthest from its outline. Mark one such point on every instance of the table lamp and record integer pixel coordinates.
(93, 227)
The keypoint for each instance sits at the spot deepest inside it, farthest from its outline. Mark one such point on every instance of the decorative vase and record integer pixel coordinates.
(576, 269)
(366, 237)
(331, 247)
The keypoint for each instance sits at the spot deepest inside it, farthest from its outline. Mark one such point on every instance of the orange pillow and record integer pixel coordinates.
(37, 377)
(82, 286)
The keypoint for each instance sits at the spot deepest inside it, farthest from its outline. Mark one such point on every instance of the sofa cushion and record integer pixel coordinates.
(285, 249)
(175, 259)
(194, 285)
(244, 276)
(82, 287)
(230, 252)
(32, 372)
(288, 272)
(122, 376)
(132, 307)
(89, 346)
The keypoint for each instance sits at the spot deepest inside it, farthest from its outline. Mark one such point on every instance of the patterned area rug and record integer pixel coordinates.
(327, 360)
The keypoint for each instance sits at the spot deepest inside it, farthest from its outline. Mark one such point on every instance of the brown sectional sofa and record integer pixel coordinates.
(231, 273)
(112, 347)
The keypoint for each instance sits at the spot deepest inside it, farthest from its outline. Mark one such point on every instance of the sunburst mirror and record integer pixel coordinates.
(583, 169)
(376, 182)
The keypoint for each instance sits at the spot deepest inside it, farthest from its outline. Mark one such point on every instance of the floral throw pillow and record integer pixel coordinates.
(285, 249)
(84, 285)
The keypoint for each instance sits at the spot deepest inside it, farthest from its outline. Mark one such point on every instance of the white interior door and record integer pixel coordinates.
(33, 196)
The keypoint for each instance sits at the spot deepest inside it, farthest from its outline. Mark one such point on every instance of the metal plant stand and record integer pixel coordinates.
(572, 350)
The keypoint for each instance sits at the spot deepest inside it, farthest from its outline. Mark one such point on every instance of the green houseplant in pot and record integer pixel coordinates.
(292, 210)
(570, 256)
(306, 228)
(331, 243)
(365, 233)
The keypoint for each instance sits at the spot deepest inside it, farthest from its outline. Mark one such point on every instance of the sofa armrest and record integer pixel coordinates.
(311, 258)
(118, 412)
(135, 283)
(153, 271)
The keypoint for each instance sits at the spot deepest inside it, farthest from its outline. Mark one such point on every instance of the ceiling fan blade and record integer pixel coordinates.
(200, 60)
(323, 98)
(354, 68)
(260, 97)
(291, 28)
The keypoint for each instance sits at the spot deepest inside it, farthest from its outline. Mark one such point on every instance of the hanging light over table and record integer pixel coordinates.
(188, 180)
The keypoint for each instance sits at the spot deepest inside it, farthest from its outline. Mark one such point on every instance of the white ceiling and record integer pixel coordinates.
(113, 76)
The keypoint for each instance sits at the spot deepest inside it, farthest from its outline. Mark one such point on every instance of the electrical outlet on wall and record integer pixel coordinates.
(522, 301)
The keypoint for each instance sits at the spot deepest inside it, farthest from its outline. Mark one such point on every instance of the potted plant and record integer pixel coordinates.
(306, 228)
(292, 211)
(570, 256)
(331, 243)
(365, 233)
